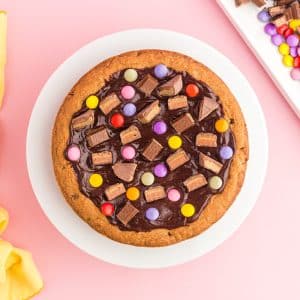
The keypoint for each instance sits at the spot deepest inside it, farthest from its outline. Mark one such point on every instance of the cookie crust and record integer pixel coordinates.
(93, 81)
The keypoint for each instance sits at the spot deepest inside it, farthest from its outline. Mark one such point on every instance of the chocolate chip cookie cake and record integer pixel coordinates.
(150, 148)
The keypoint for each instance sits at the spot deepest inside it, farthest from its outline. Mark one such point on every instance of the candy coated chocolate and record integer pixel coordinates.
(284, 49)
(73, 153)
(297, 62)
(288, 32)
(130, 75)
(92, 102)
(288, 60)
(161, 71)
(127, 92)
(277, 39)
(117, 120)
(292, 40)
(133, 193)
(293, 51)
(174, 142)
(215, 182)
(282, 29)
(147, 178)
(129, 110)
(95, 180)
(188, 210)
(107, 209)
(192, 90)
(263, 16)
(226, 152)
(160, 127)
(128, 152)
(270, 29)
(173, 195)
(160, 170)
(295, 74)
(152, 214)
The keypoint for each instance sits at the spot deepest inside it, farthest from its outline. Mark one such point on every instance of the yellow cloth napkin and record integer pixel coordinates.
(19, 278)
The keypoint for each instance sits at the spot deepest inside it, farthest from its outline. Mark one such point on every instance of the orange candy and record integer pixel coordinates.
(192, 90)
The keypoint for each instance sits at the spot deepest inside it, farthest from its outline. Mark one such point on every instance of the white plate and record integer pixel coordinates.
(39, 162)
(244, 19)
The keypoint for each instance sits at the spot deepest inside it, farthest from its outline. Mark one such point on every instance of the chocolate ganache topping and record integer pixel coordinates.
(151, 148)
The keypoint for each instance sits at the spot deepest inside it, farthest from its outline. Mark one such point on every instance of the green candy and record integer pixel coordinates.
(130, 75)
(147, 178)
(215, 182)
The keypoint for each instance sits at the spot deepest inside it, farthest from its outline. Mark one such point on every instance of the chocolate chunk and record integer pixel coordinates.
(206, 107)
(240, 2)
(130, 134)
(155, 193)
(97, 137)
(152, 150)
(209, 163)
(109, 103)
(83, 120)
(276, 10)
(259, 3)
(195, 182)
(177, 102)
(171, 87)
(124, 171)
(281, 20)
(177, 159)
(295, 7)
(127, 213)
(183, 123)
(147, 84)
(114, 191)
(205, 139)
(102, 158)
(149, 112)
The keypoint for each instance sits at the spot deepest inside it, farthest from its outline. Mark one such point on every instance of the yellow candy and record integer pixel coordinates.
(147, 178)
(188, 210)
(284, 49)
(222, 125)
(133, 193)
(92, 101)
(175, 142)
(95, 180)
(294, 24)
(288, 60)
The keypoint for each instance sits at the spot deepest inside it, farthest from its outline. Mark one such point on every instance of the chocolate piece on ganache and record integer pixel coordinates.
(171, 87)
(127, 213)
(124, 171)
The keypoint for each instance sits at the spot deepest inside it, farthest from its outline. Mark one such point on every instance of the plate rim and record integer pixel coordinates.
(139, 260)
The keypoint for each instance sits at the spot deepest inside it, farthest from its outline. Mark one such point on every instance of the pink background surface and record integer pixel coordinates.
(260, 261)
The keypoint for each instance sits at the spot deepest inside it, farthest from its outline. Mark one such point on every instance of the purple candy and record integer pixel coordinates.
(160, 170)
(263, 16)
(129, 110)
(292, 40)
(277, 39)
(152, 214)
(293, 51)
(298, 51)
(160, 127)
(226, 152)
(270, 29)
(161, 71)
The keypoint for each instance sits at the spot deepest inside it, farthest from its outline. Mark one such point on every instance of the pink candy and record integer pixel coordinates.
(295, 74)
(128, 152)
(73, 153)
(173, 195)
(127, 92)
